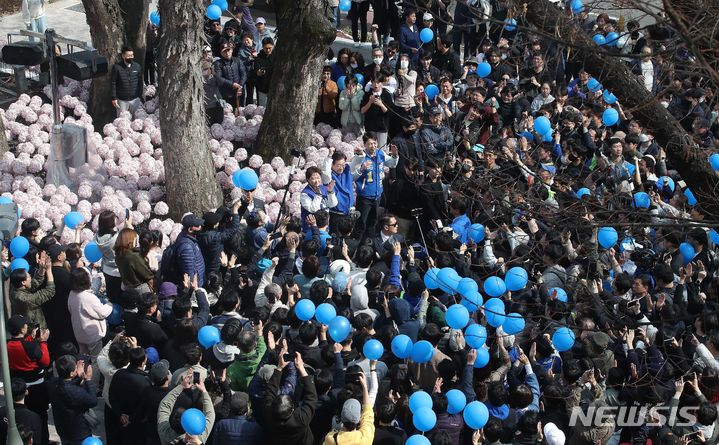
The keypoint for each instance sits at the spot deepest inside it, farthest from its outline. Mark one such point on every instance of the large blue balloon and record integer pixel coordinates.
(402, 346)
(155, 18)
(19, 246)
(341, 82)
(611, 39)
(484, 69)
(246, 179)
(430, 278)
(599, 39)
(221, 3)
(713, 160)
(714, 236)
(665, 181)
(472, 301)
(431, 91)
(72, 219)
(92, 441)
(582, 192)
(547, 137)
(426, 35)
(419, 400)
(494, 312)
(609, 97)
(577, 6)
(193, 421)
(92, 252)
(360, 78)
(476, 415)
(325, 313)
(610, 117)
(19, 263)
(476, 232)
(424, 419)
(373, 349)
(467, 285)
(542, 125)
(345, 5)
(513, 324)
(456, 401)
(115, 318)
(208, 336)
(422, 351)
(607, 237)
(339, 328)
(457, 316)
(563, 339)
(482, 358)
(475, 335)
(494, 286)
(418, 439)
(642, 200)
(6, 200)
(510, 24)
(305, 309)
(516, 279)
(593, 84)
(687, 252)
(213, 12)
(448, 279)
(561, 294)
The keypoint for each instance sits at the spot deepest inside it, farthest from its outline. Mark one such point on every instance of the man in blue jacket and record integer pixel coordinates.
(237, 428)
(368, 173)
(187, 251)
(335, 168)
(409, 42)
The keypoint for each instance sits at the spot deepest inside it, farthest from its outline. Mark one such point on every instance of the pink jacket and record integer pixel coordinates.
(88, 316)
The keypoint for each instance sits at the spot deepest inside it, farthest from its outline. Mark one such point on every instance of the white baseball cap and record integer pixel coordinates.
(553, 435)
(427, 17)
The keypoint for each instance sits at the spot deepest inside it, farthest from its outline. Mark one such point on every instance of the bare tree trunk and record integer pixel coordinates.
(684, 155)
(304, 36)
(4, 147)
(136, 15)
(189, 172)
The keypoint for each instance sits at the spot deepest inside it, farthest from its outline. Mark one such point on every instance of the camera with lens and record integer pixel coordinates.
(645, 259)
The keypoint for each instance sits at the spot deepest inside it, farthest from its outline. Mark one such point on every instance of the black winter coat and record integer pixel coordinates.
(126, 81)
(228, 72)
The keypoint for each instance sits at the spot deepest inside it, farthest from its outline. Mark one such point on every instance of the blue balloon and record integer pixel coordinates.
(475, 335)
(607, 237)
(467, 285)
(424, 419)
(547, 137)
(563, 339)
(510, 24)
(476, 232)
(592, 84)
(642, 200)
(115, 318)
(19, 246)
(714, 236)
(422, 351)
(426, 35)
(599, 39)
(494, 286)
(5, 200)
(402, 346)
(448, 279)
(72, 219)
(419, 400)
(155, 18)
(609, 97)
(360, 78)
(418, 439)
(325, 313)
(582, 192)
(476, 415)
(345, 5)
(221, 3)
(484, 69)
(513, 324)
(431, 91)
(713, 160)
(19, 263)
(339, 328)
(611, 39)
(457, 316)
(627, 243)
(482, 358)
(245, 179)
(305, 309)
(430, 278)
(193, 421)
(341, 82)
(577, 6)
(561, 294)
(687, 252)
(542, 125)
(665, 181)
(213, 12)
(494, 312)
(691, 199)
(516, 279)
(208, 336)
(610, 117)
(373, 349)
(456, 401)
(472, 301)
(92, 252)
(92, 441)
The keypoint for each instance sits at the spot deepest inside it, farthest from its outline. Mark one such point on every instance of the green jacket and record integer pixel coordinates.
(28, 302)
(244, 367)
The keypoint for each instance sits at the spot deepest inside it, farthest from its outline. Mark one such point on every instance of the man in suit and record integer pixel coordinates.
(387, 236)
(23, 416)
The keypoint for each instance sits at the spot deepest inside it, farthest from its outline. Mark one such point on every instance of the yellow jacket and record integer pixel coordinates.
(362, 436)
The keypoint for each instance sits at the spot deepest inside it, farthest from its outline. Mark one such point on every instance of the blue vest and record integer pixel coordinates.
(372, 190)
(311, 193)
(344, 191)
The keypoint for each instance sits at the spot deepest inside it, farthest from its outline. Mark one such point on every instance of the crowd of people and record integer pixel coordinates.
(314, 329)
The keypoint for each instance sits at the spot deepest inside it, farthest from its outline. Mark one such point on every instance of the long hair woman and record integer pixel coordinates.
(134, 271)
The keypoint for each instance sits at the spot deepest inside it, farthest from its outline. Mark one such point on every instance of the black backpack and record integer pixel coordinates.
(168, 265)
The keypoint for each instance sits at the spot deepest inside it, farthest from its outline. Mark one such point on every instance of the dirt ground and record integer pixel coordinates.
(9, 6)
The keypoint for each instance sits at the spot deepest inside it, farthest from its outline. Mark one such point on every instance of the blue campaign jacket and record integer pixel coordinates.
(344, 191)
(371, 190)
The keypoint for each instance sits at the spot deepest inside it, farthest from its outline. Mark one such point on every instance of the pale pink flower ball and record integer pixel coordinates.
(161, 208)
(255, 161)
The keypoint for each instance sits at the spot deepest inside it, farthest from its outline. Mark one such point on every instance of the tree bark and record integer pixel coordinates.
(189, 172)
(136, 14)
(688, 159)
(4, 146)
(304, 36)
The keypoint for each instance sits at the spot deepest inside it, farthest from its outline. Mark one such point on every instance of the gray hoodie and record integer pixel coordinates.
(359, 301)
(106, 243)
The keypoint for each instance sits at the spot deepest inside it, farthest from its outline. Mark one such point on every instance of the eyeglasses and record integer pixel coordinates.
(393, 225)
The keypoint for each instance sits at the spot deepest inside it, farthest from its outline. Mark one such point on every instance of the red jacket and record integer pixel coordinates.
(28, 358)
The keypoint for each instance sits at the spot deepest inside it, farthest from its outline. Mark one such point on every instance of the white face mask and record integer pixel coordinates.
(354, 65)
(404, 64)
(378, 60)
